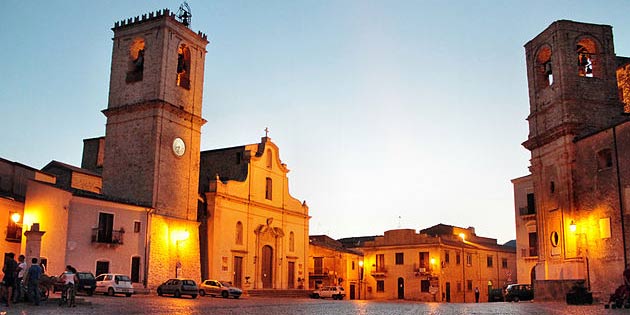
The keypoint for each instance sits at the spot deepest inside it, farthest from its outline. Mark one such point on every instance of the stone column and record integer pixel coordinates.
(33, 243)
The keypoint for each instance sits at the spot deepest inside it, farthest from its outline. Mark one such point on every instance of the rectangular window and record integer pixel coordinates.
(268, 189)
(380, 285)
(531, 204)
(424, 260)
(469, 259)
(489, 261)
(533, 244)
(400, 259)
(424, 285)
(504, 264)
(380, 262)
(447, 257)
(458, 259)
(136, 226)
(469, 285)
(319, 265)
(105, 227)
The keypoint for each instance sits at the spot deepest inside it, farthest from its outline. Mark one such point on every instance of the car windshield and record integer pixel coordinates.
(188, 282)
(226, 284)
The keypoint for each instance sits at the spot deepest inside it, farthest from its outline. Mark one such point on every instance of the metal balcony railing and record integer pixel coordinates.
(107, 236)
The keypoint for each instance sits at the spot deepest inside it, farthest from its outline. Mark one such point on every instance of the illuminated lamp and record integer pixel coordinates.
(572, 226)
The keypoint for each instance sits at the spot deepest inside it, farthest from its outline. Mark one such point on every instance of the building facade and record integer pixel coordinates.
(330, 263)
(578, 136)
(526, 229)
(253, 232)
(439, 264)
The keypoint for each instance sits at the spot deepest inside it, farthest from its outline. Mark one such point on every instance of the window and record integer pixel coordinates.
(268, 187)
(424, 260)
(353, 265)
(533, 244)
(380, 285)
(424, 285)
(531, 204)
(102, 267)
(135, 269)
(544, 73)
(291, 241)
(447, 257)
(136, 226)
(458, 259)
(504, 263)
(400, 259)
(469, 285)
(269, 159)
(318, 264)
(552, 187)
(183, 67)
(239, 157)
(380, 262)
(586, 51)
(489, 261)
(604, 159)
(469, 259)
(105, 228)
(135, 66)
(239, 233)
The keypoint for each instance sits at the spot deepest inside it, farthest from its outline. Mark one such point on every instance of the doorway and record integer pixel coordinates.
(448, 292)
(291, 275)
(401, 288)
(267, 267)
(238, 272)
(352, 289)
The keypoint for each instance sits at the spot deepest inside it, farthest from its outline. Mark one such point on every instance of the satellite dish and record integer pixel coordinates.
(184, 14)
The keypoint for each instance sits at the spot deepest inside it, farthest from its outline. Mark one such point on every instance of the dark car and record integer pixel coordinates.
(86, 284)
(519, 292)
(496, 295)
(179, 287)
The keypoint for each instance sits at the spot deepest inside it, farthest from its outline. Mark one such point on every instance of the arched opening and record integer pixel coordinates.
(587, 58)
(135, 65)
(544, 73)
(269, 159)
(267, 267)
(239, 233)
(183, 67)
(401, 288)
(291, 241)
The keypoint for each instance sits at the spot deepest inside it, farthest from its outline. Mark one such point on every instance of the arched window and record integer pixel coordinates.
(135, 66)
(587, 58)
(183, 67)
(544, 73)
(269, 159)
(268, 188)
(291, 241)
(239, 233)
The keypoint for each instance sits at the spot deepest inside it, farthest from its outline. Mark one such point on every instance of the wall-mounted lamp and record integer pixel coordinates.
(462, 236)
(572, 226)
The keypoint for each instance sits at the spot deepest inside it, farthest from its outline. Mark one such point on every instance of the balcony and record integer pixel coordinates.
(378, 271)
(105, 236)
(526, 211)
(14, 233)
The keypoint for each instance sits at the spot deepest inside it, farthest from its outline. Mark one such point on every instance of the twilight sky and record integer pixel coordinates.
(390, 114)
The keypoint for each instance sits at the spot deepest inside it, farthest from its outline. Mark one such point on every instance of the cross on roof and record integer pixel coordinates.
(266, 132)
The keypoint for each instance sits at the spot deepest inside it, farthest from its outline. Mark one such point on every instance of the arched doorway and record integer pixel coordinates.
(401, 288)
(532, 276)
(267, 267)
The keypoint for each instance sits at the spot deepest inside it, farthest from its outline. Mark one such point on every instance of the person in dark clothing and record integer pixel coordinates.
(476, 294)
(10, 270)
(32, 277)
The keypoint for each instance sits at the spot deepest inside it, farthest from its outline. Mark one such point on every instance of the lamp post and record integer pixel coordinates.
(463, 237)
(360, 276)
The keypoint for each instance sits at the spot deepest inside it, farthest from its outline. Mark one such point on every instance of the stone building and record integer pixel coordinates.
(578, 135)
(330, 263)
(526, 229)
(253, 232)
(442, 263)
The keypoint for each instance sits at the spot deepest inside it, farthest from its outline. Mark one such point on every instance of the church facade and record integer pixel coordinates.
(579, 188)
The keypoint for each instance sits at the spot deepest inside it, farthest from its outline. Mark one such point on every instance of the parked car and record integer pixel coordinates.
(519, 292)
(178, 287)
(334, 292)
(496, 295)
(222, 288)
(112, 284)
(86, 283)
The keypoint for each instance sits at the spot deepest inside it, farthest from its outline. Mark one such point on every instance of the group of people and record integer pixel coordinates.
(17, 276)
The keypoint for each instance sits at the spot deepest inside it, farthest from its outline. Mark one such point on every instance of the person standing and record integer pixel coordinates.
(21, 270)
(32, 277)
(476, 294)
(10, 270)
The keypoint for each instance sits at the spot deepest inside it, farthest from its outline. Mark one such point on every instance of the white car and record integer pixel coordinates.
(112, 284)
(334, 292)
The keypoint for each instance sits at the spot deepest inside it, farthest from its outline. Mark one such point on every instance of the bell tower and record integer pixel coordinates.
(152, 141)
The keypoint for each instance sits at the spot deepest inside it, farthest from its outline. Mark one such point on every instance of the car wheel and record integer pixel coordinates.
(177, 294)
(224, 294)
(237, 296)
(516, 299)
(194, 296)
(128, 294)
(110, 291)
(159, 292)
(315, 296)
(202, 292)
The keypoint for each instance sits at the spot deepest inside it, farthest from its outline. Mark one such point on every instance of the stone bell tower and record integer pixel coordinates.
(152, 144)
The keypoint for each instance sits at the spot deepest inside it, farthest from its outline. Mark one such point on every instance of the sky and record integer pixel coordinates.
(389, 114)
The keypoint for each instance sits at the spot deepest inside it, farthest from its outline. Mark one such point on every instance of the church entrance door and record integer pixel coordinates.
(267, 267)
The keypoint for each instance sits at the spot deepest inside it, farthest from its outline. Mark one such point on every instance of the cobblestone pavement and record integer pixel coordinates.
(151, 304)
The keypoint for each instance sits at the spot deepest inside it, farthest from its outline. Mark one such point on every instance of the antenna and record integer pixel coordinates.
(184, 14)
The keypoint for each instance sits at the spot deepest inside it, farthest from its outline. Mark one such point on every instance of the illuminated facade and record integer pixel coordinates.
(526, 229)
(253, 232)
(330, 263)
(439, 264)
(578, 136)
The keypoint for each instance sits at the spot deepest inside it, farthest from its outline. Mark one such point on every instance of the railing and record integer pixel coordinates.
(107, 236)
(526, 211)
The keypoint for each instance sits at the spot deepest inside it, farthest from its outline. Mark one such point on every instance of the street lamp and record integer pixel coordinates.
(463, 237)
(360, 276)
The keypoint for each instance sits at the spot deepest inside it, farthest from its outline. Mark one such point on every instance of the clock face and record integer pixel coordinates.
(179, 147)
